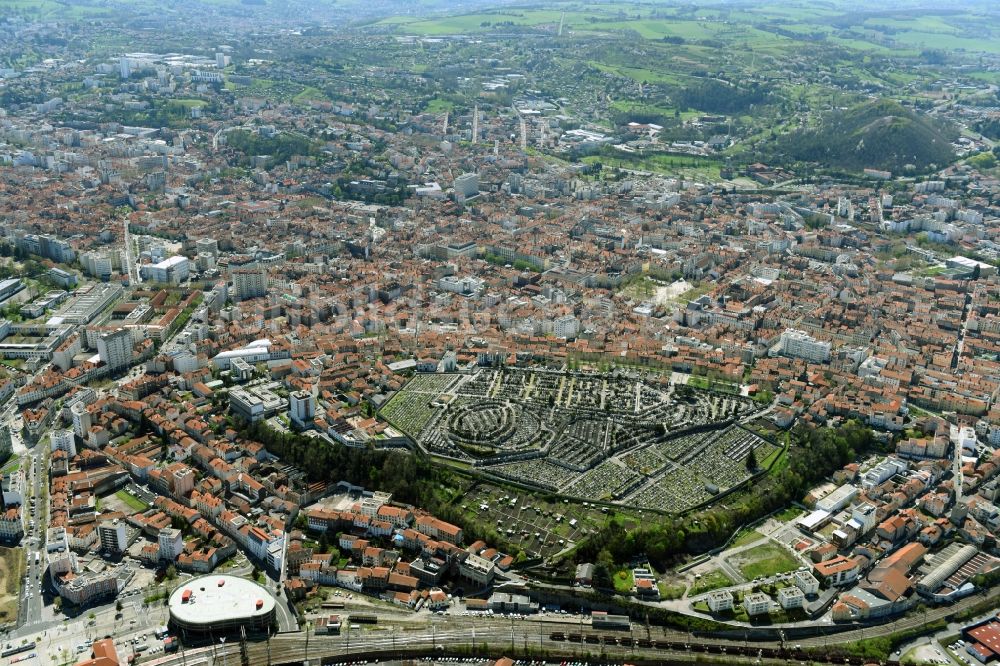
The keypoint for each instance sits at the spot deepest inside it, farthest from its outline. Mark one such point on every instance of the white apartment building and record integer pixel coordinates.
(82, 420)
(302, 408)
(756, 603)
(171, 543)
(720, 600)
(791, 597)
(249, 283)
(806, 582)
(567, 327)
(63, 440)
(172, 270)
(799, 344)
(113, 536)
(115, 348)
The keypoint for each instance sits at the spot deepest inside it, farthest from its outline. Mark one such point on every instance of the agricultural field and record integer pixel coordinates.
(605, 437)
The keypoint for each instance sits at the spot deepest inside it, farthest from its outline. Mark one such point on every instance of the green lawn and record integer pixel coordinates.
(132, 501)
(438, 105)
(623, 581)
(713, 580)
(766, 560)
(11, 465)
(697, 381)
(791, 513)
(668, 592)
(745, 537)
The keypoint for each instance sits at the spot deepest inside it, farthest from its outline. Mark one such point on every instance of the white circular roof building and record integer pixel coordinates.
(221, 603)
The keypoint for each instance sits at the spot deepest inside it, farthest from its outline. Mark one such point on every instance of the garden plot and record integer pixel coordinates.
(530, 523)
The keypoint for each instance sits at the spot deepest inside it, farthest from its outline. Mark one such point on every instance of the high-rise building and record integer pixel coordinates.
(302, 408)
(64, 440)
(209, 245)
(82, 420)
(183, 481)
(171, 543)
(249, 283)
(115, 348)
(467, 185)
(113, 536)
(124, 67)
(99, 264)
(566, 326)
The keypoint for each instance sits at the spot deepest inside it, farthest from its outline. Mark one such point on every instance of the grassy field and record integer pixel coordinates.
(713, 580)
(668, 592)
(745, 537)
(641, 74)
(11, 465)
(131, 500)
(765, 560)
(791, 513)
(11, 573)
(438, 105)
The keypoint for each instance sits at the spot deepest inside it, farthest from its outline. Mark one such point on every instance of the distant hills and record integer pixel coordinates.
(881, 134)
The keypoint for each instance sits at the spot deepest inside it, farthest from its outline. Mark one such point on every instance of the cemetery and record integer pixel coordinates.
(605, 437)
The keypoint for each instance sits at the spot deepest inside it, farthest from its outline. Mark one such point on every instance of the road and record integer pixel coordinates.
(133, 271)
(960, 342)
(137, 622)
(35, 464)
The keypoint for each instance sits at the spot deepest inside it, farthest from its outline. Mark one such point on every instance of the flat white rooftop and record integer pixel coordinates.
(210, 602)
